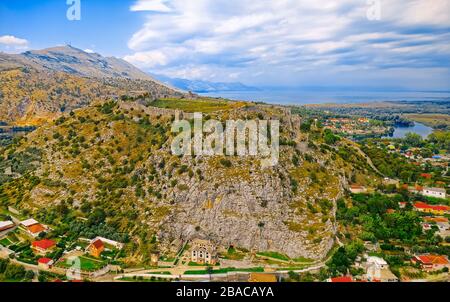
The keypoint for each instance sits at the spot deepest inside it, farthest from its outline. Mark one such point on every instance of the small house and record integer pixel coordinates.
(45, 263)
(95, 248)
(6, 225)
(435, 192)
(344, 279)
(358, 189)
(32, 227)
(432, 209)
(42, 247)
(431, 262)
(377, 270)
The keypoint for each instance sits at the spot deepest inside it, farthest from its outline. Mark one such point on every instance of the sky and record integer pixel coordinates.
(371, 44)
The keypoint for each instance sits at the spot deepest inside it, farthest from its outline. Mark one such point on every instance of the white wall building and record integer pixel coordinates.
(435, 192)
(203, 252)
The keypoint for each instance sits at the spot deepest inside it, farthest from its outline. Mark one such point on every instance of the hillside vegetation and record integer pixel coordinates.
(108, 170)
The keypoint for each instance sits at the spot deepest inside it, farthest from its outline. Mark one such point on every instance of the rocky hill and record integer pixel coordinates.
(73, 61)
(109, 169)
(40, 85)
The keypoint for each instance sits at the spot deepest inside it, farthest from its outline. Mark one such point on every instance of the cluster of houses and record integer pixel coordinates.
(429, 192)
(43, 247)
(356, 126)
(377, 269)
(414, 154)
(436, 220)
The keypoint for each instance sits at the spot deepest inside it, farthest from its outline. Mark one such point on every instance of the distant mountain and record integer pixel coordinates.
(74, 61)
(39, 85)
(199, 86)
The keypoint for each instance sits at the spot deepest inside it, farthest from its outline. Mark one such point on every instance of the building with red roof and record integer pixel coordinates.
(44, 246)
(433, 209)
(96, 247)
(344, 279)
(357, 189)
(45, 263)
(431, 262)
(32, 227)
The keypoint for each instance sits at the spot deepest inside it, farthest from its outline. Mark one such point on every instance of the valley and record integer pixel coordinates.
(95, 180)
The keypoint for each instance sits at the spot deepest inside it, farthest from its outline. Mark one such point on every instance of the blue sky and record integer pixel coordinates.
(292, 43)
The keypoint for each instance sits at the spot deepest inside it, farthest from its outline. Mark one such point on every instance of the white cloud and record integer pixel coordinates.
(417, 12)
(147, 59)
(13, 41)
(150, 5)
(283, 40)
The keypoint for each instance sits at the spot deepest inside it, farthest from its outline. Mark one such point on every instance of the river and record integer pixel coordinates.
(418, 128)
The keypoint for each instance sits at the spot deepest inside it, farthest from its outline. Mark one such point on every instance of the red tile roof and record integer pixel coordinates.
(44, 244)
(436, 219)
(342, 279)
(98, 244)
(44, 260)
(423, 205)
(426, 175)
(356, 187)
(432, 259)
(36, 228)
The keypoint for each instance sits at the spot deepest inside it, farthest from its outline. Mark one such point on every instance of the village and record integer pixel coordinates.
(356, 127)
(26, 243)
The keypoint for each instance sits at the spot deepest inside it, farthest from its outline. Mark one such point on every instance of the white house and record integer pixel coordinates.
(358, 189)
(435, 192)
(33, 227)
(377, 269)
(5, 225)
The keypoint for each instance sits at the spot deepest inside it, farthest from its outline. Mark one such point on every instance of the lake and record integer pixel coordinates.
(304, 97)
(418, 128)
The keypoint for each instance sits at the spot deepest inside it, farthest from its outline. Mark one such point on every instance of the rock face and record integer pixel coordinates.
(249, 214)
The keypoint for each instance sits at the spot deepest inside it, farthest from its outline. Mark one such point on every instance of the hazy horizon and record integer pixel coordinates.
(351, 43)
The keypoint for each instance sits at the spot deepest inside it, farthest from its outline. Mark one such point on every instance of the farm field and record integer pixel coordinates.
(205, 106)
(440, 121)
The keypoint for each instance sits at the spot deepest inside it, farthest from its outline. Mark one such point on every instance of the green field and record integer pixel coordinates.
(274, 255)
(226, 270)
(435, 121)
(87, 264)
(5, 242)
(205, 106)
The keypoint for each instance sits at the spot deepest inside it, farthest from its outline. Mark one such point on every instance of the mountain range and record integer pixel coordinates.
(40, 85)
(200, 86)
(73, 61)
